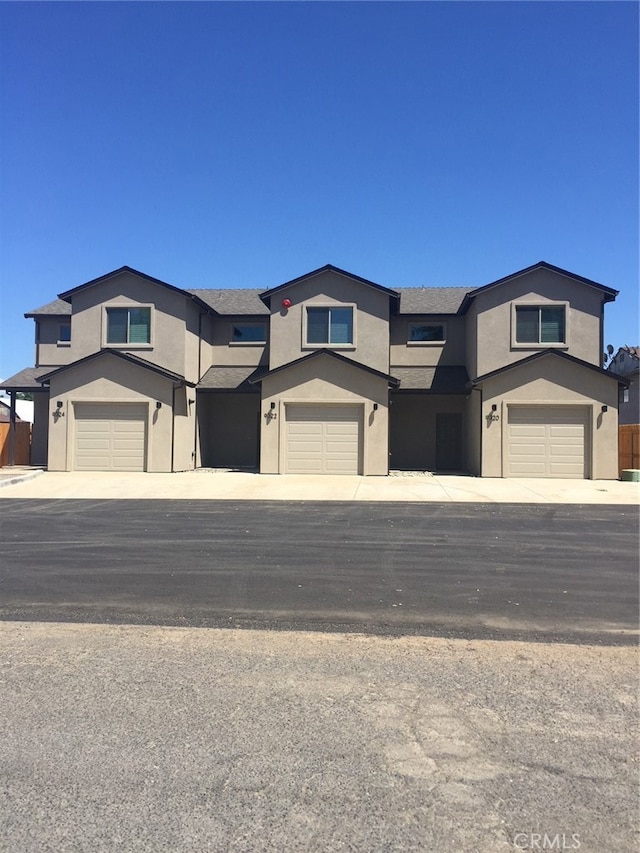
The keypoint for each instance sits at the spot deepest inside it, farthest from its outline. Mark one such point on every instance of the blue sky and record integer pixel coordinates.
(243, 144)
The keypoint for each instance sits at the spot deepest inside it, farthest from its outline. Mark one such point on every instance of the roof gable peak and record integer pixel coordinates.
(266, 295)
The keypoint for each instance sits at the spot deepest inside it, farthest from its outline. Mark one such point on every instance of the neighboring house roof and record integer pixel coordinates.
(267, 294)
(329, 354)
(68, 294)
(225, 378)
(431, 300)
(243, 301)
(57, 308)
(436, 380)
(125, 356)
(5, 413)
(609, 293)
(633, 351)
(556, 354)
(25, 380)
(621, 364)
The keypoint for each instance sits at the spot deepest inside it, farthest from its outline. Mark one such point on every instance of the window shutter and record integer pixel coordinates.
(552, 325)
(117, 325)
(527, 325)
(139, 325)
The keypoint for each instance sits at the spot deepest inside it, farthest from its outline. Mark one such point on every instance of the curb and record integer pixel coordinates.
(19, 478)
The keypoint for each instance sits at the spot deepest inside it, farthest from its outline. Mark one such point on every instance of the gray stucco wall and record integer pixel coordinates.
(104, 380)
(49, 350)
(553, 381)
(404, 354)
(325, 380)
(168, 346)
(495, 334)
(371, 346)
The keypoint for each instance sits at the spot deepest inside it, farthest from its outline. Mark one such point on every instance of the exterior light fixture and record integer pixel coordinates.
(604, 409)
(158, 404)
(286, 303)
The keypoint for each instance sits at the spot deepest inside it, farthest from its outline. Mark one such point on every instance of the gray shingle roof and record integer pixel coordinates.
(246, 301)
(25, 380)
(431, 300)
(55, 308)
(437, 380)
(243, 301)
(231, 378)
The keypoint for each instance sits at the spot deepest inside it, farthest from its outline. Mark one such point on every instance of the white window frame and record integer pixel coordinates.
(252, 324)
(61, 342)
(128, 307)
(329, 306)
(515, 344)
(434, 343)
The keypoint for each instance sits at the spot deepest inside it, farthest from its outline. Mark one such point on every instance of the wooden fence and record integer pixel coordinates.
(22, 446)
(628, 446)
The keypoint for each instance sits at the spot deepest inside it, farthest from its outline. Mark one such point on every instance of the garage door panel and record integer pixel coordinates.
(110, 437)
(300, 448)
(546, 441)
(322, 439)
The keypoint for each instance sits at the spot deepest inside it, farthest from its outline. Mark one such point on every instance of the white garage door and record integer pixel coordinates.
(547, 441)
(110, 437)
(323, 439)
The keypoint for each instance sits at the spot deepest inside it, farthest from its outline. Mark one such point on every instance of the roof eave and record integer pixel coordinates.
(609, 292)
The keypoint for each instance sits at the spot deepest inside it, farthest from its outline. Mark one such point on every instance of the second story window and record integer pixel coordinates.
(128, 325)
(248, 333)
(427, 333)
(540, 324)
(329, 326)
(64, 333)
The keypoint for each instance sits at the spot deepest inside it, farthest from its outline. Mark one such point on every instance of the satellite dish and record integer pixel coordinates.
(610, 349)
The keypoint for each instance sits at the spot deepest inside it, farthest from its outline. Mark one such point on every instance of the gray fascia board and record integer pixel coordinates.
(266, 295)
(323, 351)
(610, 293)
(543, 354)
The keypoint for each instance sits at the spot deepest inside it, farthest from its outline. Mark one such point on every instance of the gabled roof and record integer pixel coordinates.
(331, 354)
(609, 293)
(57, 308)
(243, 301)
(25, 380)
(125, 356)
(556, 354)
(267, 294)
(68, 294)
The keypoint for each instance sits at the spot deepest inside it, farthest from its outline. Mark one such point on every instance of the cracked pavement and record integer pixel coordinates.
(174, 739)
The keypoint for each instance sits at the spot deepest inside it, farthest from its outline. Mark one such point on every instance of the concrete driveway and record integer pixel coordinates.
(234, 485)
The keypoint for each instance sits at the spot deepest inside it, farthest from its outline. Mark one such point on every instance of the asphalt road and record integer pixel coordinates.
(503, 571)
